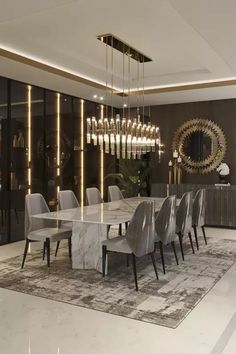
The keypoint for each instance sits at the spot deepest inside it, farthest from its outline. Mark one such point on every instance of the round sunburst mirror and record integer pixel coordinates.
(201, 144)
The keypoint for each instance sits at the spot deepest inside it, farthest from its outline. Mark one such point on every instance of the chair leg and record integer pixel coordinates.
(2, 216)
(69, 247)
(135, 271)
(104, 256)
(57, 248)
(162, 257)
(48, 251)
(191, 241)
(120, 230)
(181, 244)
(204, 234)
(44, 249)
(108, 229)
(195, 234)
(17, 219)
(155, 246)
(25, 253)
(174, 250)
(127, 260)
(154, 264)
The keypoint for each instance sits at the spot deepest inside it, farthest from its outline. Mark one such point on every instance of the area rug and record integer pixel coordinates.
(165, 302)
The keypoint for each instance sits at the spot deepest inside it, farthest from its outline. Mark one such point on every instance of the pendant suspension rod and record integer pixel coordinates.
(106, 79)
(143, 90)
(123, 101)
(112, 78)
(137, 89)
(129, 78)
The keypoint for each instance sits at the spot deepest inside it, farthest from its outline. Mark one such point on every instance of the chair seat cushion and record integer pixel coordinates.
(53, 233)
(67, 225)
(117, 244)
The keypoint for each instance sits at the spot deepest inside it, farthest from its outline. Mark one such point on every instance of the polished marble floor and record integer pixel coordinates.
(33, 325)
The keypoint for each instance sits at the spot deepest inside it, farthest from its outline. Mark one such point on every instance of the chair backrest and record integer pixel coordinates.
(35, 204)
(67, 200)
(114, 193)
(165, 223)
(199, 208)
(184, 214)
(140, 234)
(93, 196)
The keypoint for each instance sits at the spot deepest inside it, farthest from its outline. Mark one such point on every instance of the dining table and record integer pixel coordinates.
(90, 225)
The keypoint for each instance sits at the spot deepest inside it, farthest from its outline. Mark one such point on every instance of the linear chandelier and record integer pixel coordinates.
(124, 137)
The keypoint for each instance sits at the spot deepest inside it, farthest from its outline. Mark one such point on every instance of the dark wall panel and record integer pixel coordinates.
(170, 117)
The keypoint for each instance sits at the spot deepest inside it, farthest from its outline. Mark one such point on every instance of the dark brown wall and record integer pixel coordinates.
(170, 117)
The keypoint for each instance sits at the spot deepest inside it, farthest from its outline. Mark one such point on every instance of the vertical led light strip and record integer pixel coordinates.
(82, 152)
(58, 139)
(102, 161)
(29, 139)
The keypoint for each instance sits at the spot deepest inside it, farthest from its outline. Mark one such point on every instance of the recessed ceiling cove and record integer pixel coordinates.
(185, 44)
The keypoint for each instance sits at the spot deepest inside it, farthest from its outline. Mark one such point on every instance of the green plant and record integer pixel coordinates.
(132, 177)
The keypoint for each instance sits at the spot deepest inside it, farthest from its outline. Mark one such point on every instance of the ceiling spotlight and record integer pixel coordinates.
(101, 98)
(124, 105)
(95, 96)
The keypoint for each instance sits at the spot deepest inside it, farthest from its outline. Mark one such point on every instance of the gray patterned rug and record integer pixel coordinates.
(165, 302)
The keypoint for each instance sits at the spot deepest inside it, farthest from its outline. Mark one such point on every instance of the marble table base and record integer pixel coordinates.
(86, 245)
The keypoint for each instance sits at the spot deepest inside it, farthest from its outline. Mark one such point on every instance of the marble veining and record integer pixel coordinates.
(86, 245)
(111, 213)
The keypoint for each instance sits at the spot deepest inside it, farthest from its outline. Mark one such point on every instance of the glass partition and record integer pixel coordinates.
(67, 134)
(43, 150)
(19, 150)
(4, 162)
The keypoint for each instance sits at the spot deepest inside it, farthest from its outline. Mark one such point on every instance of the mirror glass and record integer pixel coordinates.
(198, 146)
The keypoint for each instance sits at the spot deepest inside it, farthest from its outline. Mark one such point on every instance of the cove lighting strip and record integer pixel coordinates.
(58, 138)
(29, 139)
(82, 152)
(102, 161)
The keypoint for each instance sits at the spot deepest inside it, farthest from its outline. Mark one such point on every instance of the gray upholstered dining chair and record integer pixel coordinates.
(114, 194)
(41, 230)
(139, 238)
(93, 196)
(66, 200)
(165, 225)
(199, 206)
(184, 220)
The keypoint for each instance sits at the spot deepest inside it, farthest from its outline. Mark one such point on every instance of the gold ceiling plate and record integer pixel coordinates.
(123, 47)
(217, 145)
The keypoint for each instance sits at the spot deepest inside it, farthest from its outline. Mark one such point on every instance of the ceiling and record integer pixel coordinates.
(188, 41)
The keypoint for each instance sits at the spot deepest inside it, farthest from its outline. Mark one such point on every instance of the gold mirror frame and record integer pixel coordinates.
(218, 141)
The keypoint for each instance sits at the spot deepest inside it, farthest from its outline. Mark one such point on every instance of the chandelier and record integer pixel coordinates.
(123, 137)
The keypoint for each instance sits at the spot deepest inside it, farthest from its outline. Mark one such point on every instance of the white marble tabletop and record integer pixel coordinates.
(111, 213)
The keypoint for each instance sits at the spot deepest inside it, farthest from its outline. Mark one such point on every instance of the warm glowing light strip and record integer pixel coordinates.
(58, 137)
(82, 152)
(29, 138)
(102, 160)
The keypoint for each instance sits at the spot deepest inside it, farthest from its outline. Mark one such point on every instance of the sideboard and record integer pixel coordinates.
(220, 200)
